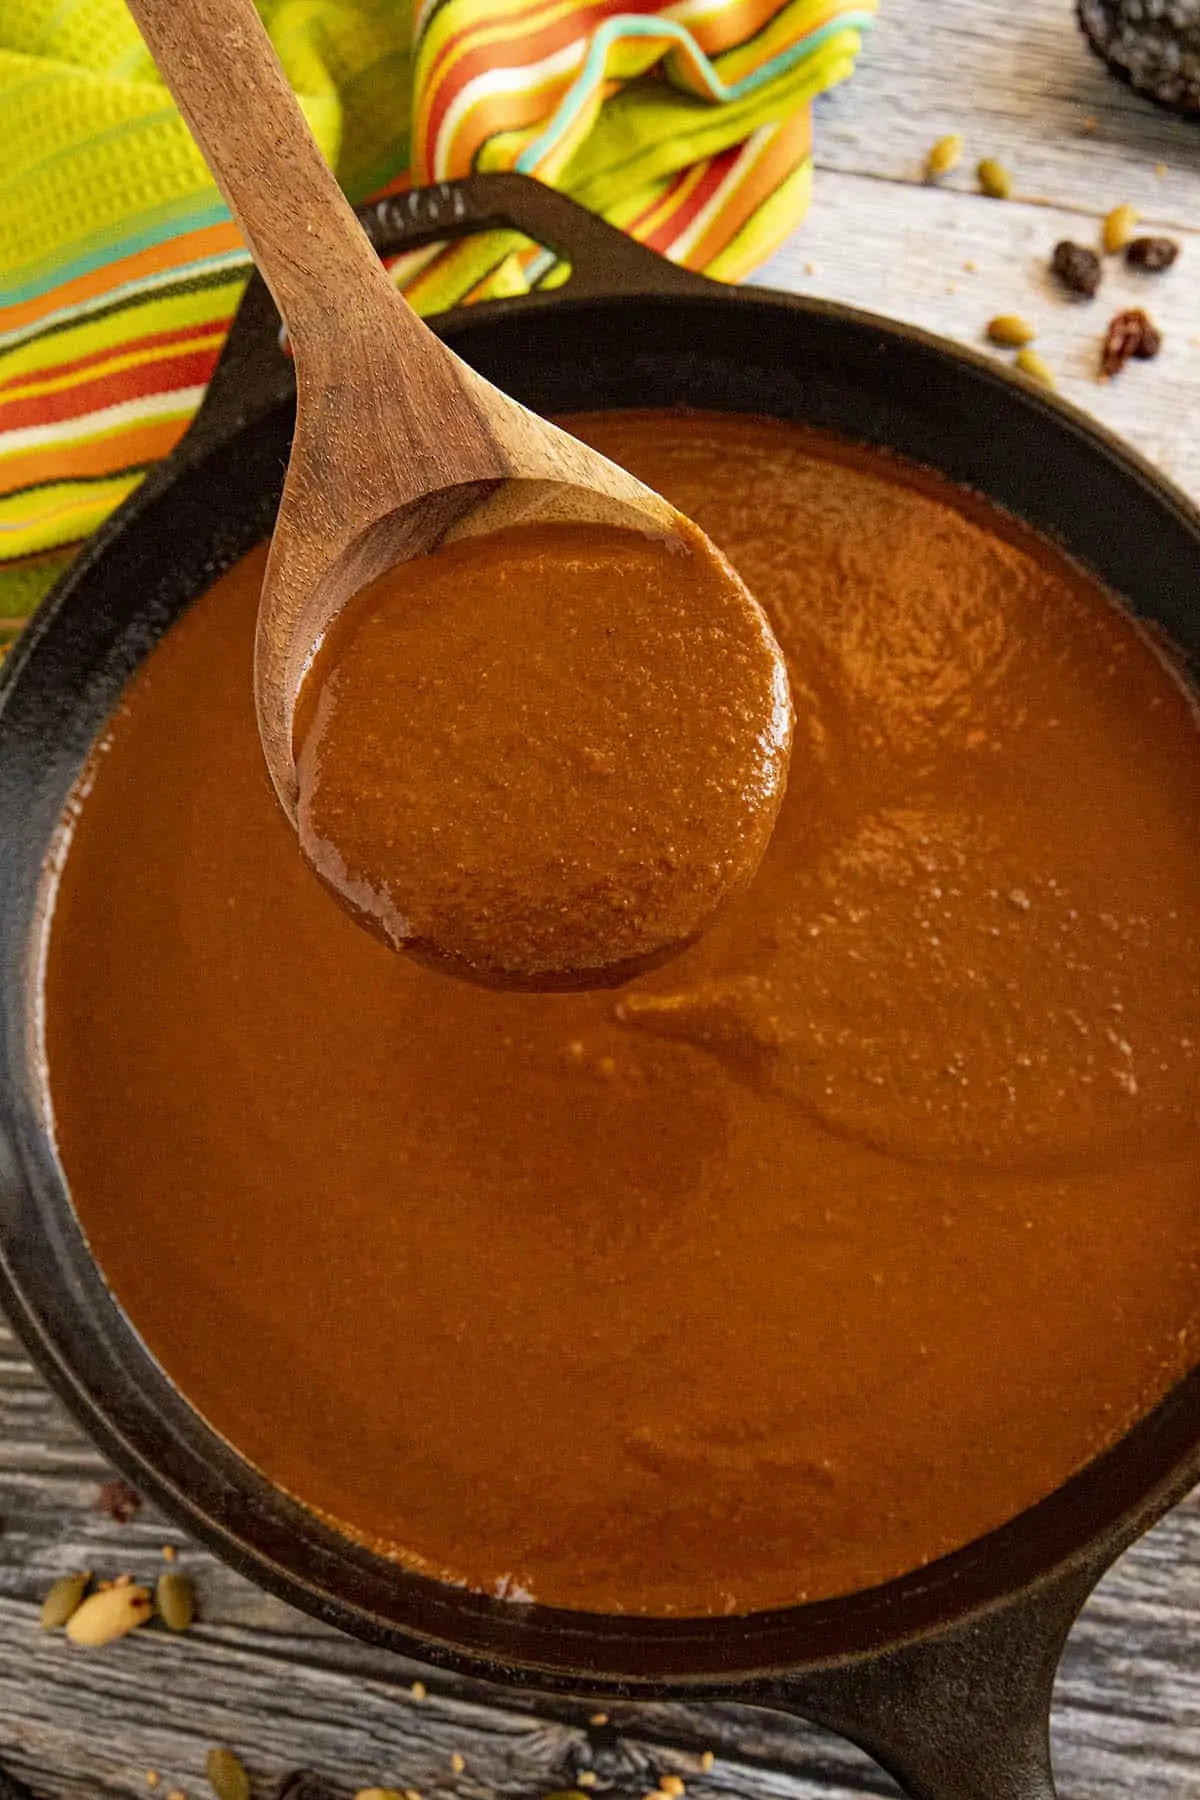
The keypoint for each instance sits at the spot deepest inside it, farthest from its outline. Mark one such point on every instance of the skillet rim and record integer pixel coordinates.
(613, 1654)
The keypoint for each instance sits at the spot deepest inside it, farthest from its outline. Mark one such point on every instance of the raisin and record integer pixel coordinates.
(1129, 334)
(119, 1501)
(1077, 267)
(1151, 253)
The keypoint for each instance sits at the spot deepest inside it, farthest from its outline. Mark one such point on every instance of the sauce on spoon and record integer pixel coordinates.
(545, 758)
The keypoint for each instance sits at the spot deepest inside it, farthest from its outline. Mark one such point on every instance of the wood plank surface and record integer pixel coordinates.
(1018, 82)
(287, 1692)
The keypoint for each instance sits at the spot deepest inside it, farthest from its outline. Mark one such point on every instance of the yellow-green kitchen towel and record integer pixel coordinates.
(686, 124)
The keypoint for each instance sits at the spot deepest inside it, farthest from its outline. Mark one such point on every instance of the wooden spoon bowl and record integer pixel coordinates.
(398, 444)
(400, 448)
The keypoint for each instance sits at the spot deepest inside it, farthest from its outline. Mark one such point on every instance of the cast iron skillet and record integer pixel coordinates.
(945, 1675)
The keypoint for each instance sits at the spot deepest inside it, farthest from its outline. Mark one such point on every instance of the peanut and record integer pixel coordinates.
(1119, 227)
(1011, 331)
(107, 1616)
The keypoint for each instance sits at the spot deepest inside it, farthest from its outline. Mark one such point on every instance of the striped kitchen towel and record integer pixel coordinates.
(686, 124)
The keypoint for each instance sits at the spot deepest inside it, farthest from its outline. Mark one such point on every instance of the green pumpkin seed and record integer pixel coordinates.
(994, 179)
(1036, 367)
(227, 1775)
(64, 1598)
(175, 1598)
(943, 157)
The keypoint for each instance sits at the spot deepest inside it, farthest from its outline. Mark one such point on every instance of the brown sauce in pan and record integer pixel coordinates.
(802, 1260)
(547, 757)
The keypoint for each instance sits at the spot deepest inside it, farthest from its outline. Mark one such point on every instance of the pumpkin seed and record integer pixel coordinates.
(994, 179)
(227, 1774)
(1119, 227)
(64, 1598)
(106, 1616)
(175, 1598)
(1011, 331)
(944, 156)
(1035, 366)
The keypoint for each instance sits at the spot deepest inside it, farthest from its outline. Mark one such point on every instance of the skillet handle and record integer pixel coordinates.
(604, 262)
(963, 1714)
(254, 374)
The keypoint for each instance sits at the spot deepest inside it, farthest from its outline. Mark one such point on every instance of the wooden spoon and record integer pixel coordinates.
(399, 446)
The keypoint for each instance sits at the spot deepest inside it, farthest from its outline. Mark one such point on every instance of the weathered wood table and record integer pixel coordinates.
(1016, 79)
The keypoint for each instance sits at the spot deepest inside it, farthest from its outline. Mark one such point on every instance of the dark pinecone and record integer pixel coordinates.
(1152, 44)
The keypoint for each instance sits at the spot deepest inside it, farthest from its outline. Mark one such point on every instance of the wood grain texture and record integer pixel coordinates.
(287, 1692)
(1018, 82)
(905, 252)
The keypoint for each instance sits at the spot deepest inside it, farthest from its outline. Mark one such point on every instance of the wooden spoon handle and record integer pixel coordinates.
(221, 67)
